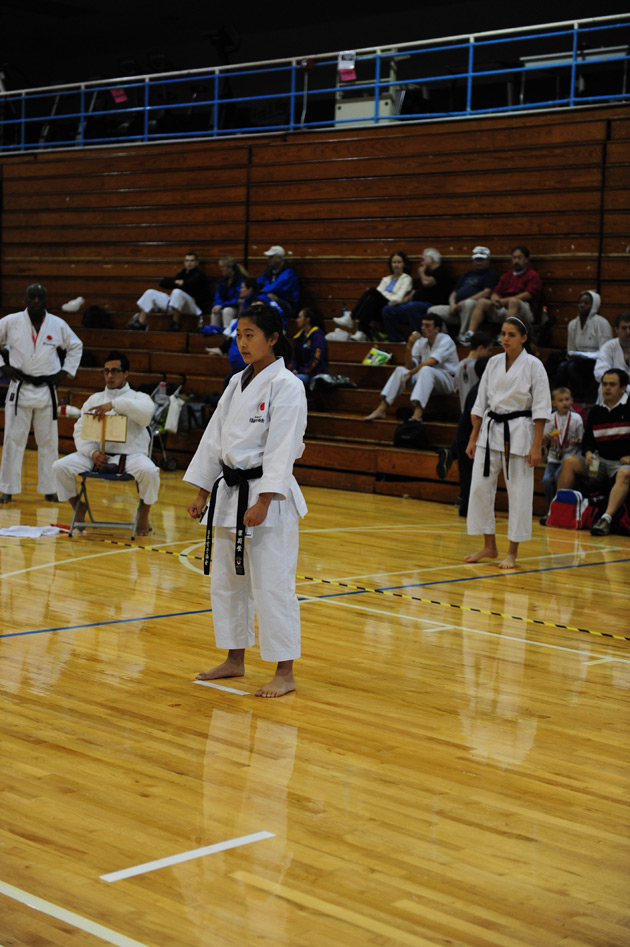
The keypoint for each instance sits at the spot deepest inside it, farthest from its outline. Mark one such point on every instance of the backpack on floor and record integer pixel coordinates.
(570, 510)
(411, 434)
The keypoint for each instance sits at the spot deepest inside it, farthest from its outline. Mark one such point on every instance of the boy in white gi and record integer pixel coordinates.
(29, 343)
(138, 408)
(509, 415)
(245, 459)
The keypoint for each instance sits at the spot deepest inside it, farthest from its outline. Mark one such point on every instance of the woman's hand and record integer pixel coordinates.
(257, 513)
(535, 456)
(196, 508)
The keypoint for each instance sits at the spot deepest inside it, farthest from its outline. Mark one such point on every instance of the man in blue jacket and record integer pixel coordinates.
(279, 282)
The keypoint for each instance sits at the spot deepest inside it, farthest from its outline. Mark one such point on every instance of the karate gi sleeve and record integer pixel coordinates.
(205, 467)
(541, 395)
(137, 406)
(74, 349)
(287, 423)
(604, 361)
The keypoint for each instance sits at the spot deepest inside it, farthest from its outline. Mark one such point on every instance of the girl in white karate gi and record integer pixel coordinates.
(508, 420)
(259, 423)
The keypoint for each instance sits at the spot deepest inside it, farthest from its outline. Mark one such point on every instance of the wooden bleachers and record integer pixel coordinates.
(107, 223)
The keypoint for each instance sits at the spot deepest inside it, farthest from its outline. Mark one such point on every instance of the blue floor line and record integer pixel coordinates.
(391, 588)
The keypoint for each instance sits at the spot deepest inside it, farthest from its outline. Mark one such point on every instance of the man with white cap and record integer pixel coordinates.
(474, 284)
(279, 282)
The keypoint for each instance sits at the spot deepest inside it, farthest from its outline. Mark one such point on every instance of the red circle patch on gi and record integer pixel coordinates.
(261, 407)
(49, 337)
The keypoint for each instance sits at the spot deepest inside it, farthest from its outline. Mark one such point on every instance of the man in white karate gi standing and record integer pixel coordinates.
(29, 344)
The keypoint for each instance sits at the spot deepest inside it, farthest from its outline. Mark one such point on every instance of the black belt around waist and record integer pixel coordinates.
(38, 381)
(506, 418)
(234, 478)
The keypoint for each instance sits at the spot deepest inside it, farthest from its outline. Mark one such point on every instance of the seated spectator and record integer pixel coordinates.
(391, 290)
(616, 352)
(279, 282)
(516, 294)
(462, 437)
(188, 294)
(606, 447)
(475, 284)
(586, 334)
(226, 299)
(430, 364)
(466, 378)
(563, 437)
(431, 288)
(116, 398)
(310, 349)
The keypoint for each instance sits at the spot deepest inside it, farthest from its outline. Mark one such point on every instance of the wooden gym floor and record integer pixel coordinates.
(453, 769)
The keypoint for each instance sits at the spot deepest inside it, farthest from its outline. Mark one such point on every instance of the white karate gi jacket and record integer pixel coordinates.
(523, 387)
(40, 358)
(261, 426)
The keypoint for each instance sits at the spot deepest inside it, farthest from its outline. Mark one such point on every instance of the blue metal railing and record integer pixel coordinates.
(556, 65)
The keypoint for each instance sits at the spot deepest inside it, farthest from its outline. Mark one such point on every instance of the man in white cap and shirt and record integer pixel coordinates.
(473, 285)
(279, 283)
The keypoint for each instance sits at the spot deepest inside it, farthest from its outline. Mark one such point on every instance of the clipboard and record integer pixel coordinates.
(113, 428)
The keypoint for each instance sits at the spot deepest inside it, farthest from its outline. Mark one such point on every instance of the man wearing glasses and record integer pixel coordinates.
(131, 456)
(31, 344)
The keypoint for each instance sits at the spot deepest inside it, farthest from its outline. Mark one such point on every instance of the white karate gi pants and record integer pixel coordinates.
(268, 588)
(427, 380)
(520, 490)
(141, 468)
(177, 299)
(16, 428)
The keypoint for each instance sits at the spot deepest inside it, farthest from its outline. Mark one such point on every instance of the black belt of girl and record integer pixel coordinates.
(234, 478)
(506, 418)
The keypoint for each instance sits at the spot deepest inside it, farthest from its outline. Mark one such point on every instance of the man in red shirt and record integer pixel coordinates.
(516, 294)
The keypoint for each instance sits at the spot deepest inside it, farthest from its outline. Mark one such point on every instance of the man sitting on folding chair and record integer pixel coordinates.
(130, 457)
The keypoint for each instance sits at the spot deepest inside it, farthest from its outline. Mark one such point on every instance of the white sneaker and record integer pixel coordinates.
(338, 335)
(346, 321)
(465, 338)
(359, 336)
(74, 305)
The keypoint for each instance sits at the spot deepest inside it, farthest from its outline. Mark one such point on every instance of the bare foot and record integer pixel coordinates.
(144, 529)
(227, 669)
(81, 510)
(509, 562)
(282, 683)
(379, 414)
(488, 552)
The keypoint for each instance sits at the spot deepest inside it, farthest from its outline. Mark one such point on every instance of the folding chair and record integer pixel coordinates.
(82, 497)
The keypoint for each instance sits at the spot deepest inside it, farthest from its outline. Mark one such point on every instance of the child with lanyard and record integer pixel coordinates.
(508, 418)
(563, 436)
(245, 460)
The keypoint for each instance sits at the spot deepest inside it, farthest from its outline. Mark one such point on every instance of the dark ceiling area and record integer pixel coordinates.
(44, 42)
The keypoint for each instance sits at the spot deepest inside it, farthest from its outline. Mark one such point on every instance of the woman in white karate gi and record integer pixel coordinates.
(508, 420)
(258, 423)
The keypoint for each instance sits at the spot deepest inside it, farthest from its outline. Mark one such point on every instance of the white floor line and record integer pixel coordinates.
(600, 661)
(347, 603)
(543, 644)
(186, 856)
(64, 562)
(593, 659)
(68, 917)
(221, 687)
(361, 529)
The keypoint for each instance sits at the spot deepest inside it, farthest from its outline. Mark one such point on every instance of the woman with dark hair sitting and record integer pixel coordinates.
(391, 291)
(310, 349)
